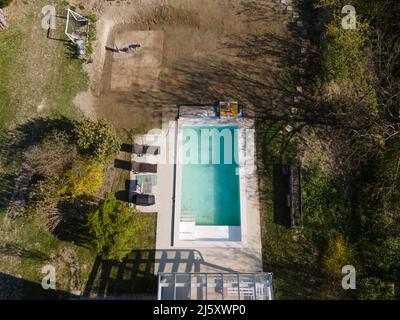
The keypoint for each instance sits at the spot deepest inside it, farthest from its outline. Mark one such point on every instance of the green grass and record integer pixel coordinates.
(35, 70)
(37, 247)
(67, 80)
(135, 274)
(10, 44)
(291, 254)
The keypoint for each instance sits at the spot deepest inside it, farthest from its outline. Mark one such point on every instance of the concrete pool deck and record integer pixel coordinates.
(200, 256)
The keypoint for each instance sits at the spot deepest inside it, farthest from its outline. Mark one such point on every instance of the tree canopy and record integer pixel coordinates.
(97, 140)
(5, 3)
(83, 179)
(113, 226)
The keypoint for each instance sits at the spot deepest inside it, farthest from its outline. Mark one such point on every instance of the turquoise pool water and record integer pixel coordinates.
(210, 183)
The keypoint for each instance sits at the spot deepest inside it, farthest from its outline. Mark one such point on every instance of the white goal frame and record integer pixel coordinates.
(79, 18)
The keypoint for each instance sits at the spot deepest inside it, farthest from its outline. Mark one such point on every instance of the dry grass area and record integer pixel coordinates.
(191, 52)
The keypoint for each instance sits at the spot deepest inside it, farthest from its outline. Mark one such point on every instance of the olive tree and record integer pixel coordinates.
(97, 139)
(113, 226)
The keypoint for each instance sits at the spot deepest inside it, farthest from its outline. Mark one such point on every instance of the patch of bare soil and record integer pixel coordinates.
(315, 150)
(85, 101)
(191, 52)
(66, 262)
(17, 202)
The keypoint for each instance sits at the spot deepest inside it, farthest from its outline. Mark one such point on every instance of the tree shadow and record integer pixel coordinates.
(19, 140)
(12, 288)
(52, 36)
(7, 185)
(134, 275)
(60, 25)
(255, 10)
(123, 164)
(72, 225)
(137, 273)
(123, 195)
(290, 63)
(14, 249)
(280, 192)
(126, 147)
(34, 130)
(71, 50)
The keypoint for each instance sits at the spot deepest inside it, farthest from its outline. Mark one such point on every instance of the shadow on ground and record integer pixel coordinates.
(12, 288)
(136, 274)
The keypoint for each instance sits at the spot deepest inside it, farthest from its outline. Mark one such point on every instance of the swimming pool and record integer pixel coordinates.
(210, 181)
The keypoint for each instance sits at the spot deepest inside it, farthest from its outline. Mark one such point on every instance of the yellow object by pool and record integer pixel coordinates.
(229, 109)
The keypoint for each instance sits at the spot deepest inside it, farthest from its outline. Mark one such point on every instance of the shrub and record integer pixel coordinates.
(337, 255)
(92, 34)
(5, 3)
(344, 56)
(52, 155)
(346, 65)
(44, 194)
(84, 179)
(325, 205)
(376, 289)
(97, 140)
(113, 226)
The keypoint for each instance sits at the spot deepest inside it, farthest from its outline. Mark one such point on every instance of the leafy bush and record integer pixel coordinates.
(44, 194)
(113, 226)
(84, 179)
(5, 3)
(97, 140)
(343, 58)
(337, 255)
(92, 34)
(382, 253)
(52, 155)
(376, 289)
(325, 206)
(346, 65)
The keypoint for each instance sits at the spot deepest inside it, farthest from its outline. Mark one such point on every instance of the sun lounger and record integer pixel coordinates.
(144, 167)
(144, 199)
(141, 149)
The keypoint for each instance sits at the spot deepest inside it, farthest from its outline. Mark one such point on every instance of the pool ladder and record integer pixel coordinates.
(188, 218)
(187, 227)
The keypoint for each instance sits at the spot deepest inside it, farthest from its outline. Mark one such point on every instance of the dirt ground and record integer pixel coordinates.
(191, 52)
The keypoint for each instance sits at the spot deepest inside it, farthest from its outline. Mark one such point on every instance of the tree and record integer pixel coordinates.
(43, 200)
(5, 3)
(337, 255)
(376, 289)
(52, 155)
(44, 194)
(97, 140)
(113, 227)
(84, 179)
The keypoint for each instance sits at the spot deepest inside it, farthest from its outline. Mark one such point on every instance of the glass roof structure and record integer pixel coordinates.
(215, 286)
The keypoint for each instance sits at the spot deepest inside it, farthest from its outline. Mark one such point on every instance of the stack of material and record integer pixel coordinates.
(229, 109)
(3, 22)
